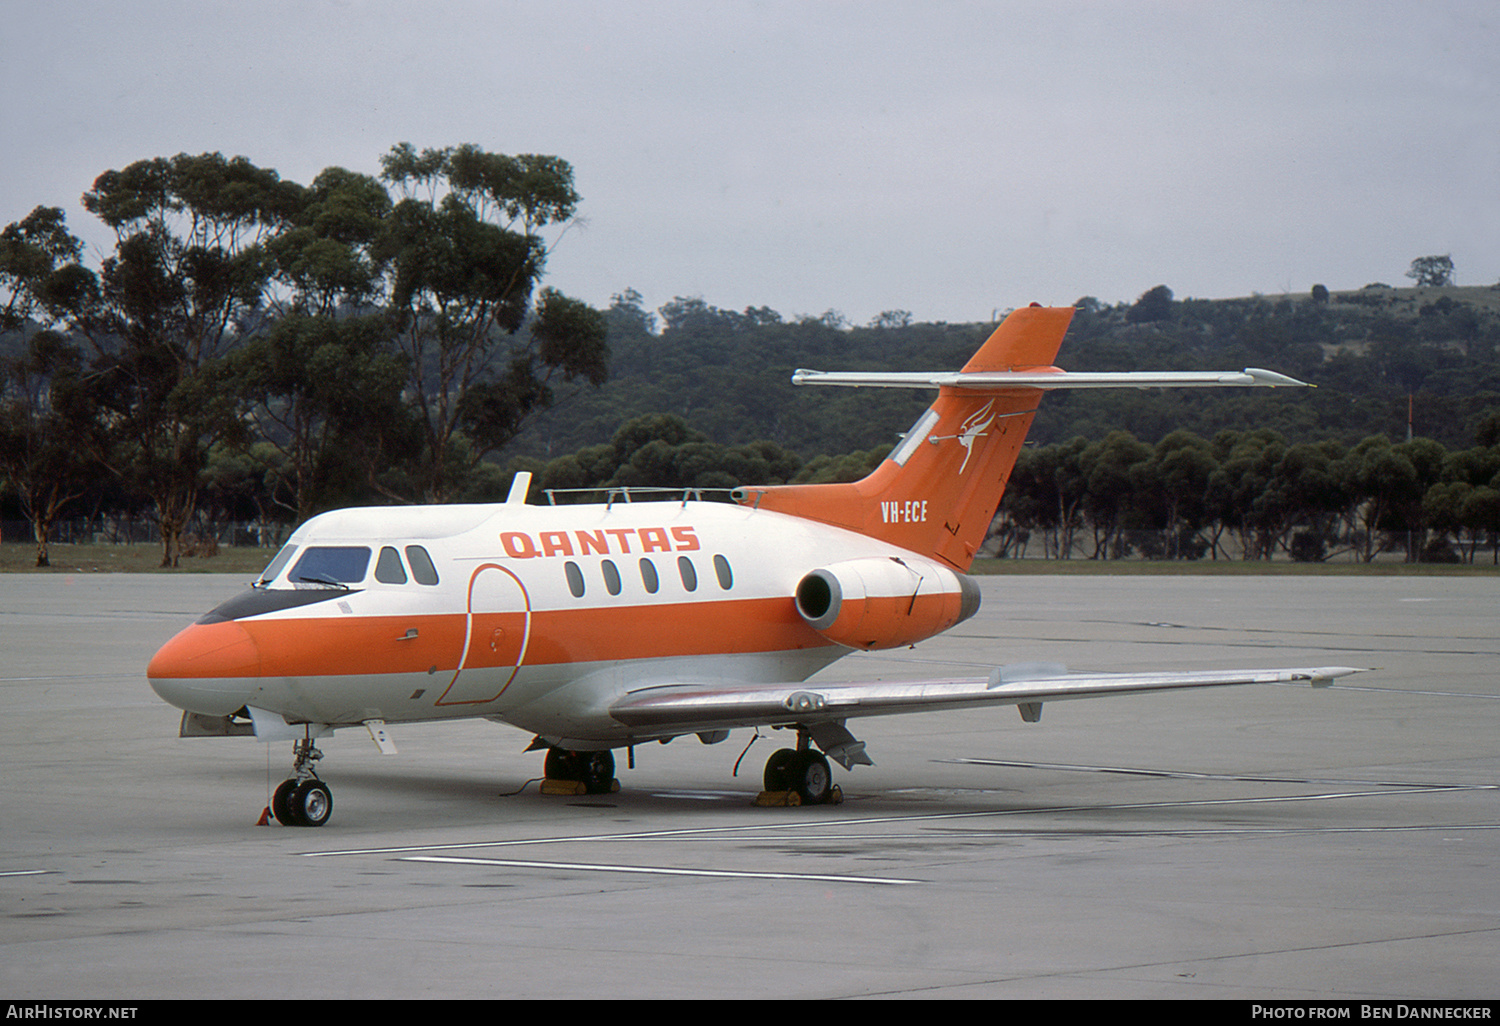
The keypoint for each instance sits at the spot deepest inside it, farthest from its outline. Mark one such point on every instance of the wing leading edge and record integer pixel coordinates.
(695, 708)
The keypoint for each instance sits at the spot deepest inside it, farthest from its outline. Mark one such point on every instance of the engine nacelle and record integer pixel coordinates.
(883, 602)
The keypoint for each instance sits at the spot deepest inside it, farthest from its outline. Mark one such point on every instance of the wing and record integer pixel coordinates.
(701, 708)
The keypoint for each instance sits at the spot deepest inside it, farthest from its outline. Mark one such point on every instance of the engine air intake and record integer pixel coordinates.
(884, 602)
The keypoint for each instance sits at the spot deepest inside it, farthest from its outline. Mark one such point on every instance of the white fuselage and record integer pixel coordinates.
(540, 616)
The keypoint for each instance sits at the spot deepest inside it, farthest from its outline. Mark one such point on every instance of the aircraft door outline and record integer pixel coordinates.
(496, 636)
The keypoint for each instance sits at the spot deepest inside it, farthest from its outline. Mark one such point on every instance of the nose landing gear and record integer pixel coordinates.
(303, 799)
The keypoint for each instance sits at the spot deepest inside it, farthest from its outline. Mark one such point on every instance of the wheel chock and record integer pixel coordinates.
(789, 799)
(265, 817)
(564, 787)
(573, 788)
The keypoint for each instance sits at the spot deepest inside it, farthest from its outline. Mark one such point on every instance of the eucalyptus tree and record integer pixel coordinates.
(1480, 514)
(1380, 479)
(464, 250)
(325, 396)
(188, 274)
(1432, 270)
(1247, 461)
(1456, 507)
(325, 253)
(1304, 491)
(1111, 492)
(1046, 492)
(45, 420)
(322, 382)
(1427, 458)
(1181, 467)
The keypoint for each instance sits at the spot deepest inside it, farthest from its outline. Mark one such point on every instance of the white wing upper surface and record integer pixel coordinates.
(690, 708)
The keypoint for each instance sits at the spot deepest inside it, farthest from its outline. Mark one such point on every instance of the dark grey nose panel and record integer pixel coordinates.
(255, 601)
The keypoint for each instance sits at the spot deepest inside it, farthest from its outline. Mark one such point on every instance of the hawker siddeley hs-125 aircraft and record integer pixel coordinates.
(607, 625)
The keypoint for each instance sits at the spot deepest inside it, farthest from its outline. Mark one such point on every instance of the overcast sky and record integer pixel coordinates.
(946, 158)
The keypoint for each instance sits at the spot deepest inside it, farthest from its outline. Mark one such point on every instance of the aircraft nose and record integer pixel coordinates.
(207, 668)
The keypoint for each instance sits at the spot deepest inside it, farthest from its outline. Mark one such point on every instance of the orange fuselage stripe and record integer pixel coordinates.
(339, 645)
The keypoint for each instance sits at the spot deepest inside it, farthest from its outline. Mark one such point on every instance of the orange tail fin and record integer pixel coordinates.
(938, 490)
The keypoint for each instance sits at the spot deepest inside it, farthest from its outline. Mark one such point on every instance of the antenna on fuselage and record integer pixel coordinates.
(519, 486)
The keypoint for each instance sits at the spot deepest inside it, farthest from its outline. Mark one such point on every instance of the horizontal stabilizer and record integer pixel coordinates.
(1050, 379)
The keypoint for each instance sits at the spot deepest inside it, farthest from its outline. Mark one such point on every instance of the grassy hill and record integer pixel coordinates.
(1368, 350)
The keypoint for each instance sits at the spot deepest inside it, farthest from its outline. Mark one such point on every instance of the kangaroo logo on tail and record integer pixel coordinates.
(973, 429)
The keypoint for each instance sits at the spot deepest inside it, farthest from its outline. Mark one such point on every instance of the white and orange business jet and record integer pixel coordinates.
(604, 626)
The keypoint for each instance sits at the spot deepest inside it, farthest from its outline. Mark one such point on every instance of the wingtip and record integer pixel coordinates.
(1323, 676)
(1273, 379)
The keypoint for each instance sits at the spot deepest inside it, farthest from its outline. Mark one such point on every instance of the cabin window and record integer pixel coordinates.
(388, 568)
(725, 574)
(575, 578)
(280, 560)
(688, 572)
(611, 576)
(421, 565)
(649, 579)
(332, 564)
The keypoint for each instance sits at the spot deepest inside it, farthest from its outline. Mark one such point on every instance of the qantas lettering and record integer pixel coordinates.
(913, 511)
(609, 541)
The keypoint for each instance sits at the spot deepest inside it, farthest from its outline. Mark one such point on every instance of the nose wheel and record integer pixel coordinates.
(303, 799)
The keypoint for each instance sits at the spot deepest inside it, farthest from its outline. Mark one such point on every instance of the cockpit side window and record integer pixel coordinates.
(275, 566)
(388, 568)
(331, 564)
(421, 565)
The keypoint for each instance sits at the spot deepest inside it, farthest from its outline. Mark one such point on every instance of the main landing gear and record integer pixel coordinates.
(303, 799)
(793, 776)
(570, 772)
(799, 776)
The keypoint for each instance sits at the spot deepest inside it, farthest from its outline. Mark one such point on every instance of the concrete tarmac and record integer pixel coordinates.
(1265, 842)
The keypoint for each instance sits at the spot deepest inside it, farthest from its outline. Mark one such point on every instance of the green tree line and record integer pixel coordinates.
(1255, 495)
(255, 349)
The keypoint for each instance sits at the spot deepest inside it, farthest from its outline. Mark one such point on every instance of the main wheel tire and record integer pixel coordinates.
(312, 803)
(281, 803)
(814, 778)
(562, 764)
(597, 771)
(779, 774)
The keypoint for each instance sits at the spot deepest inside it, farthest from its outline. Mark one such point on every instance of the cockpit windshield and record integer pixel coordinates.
(334, 565)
